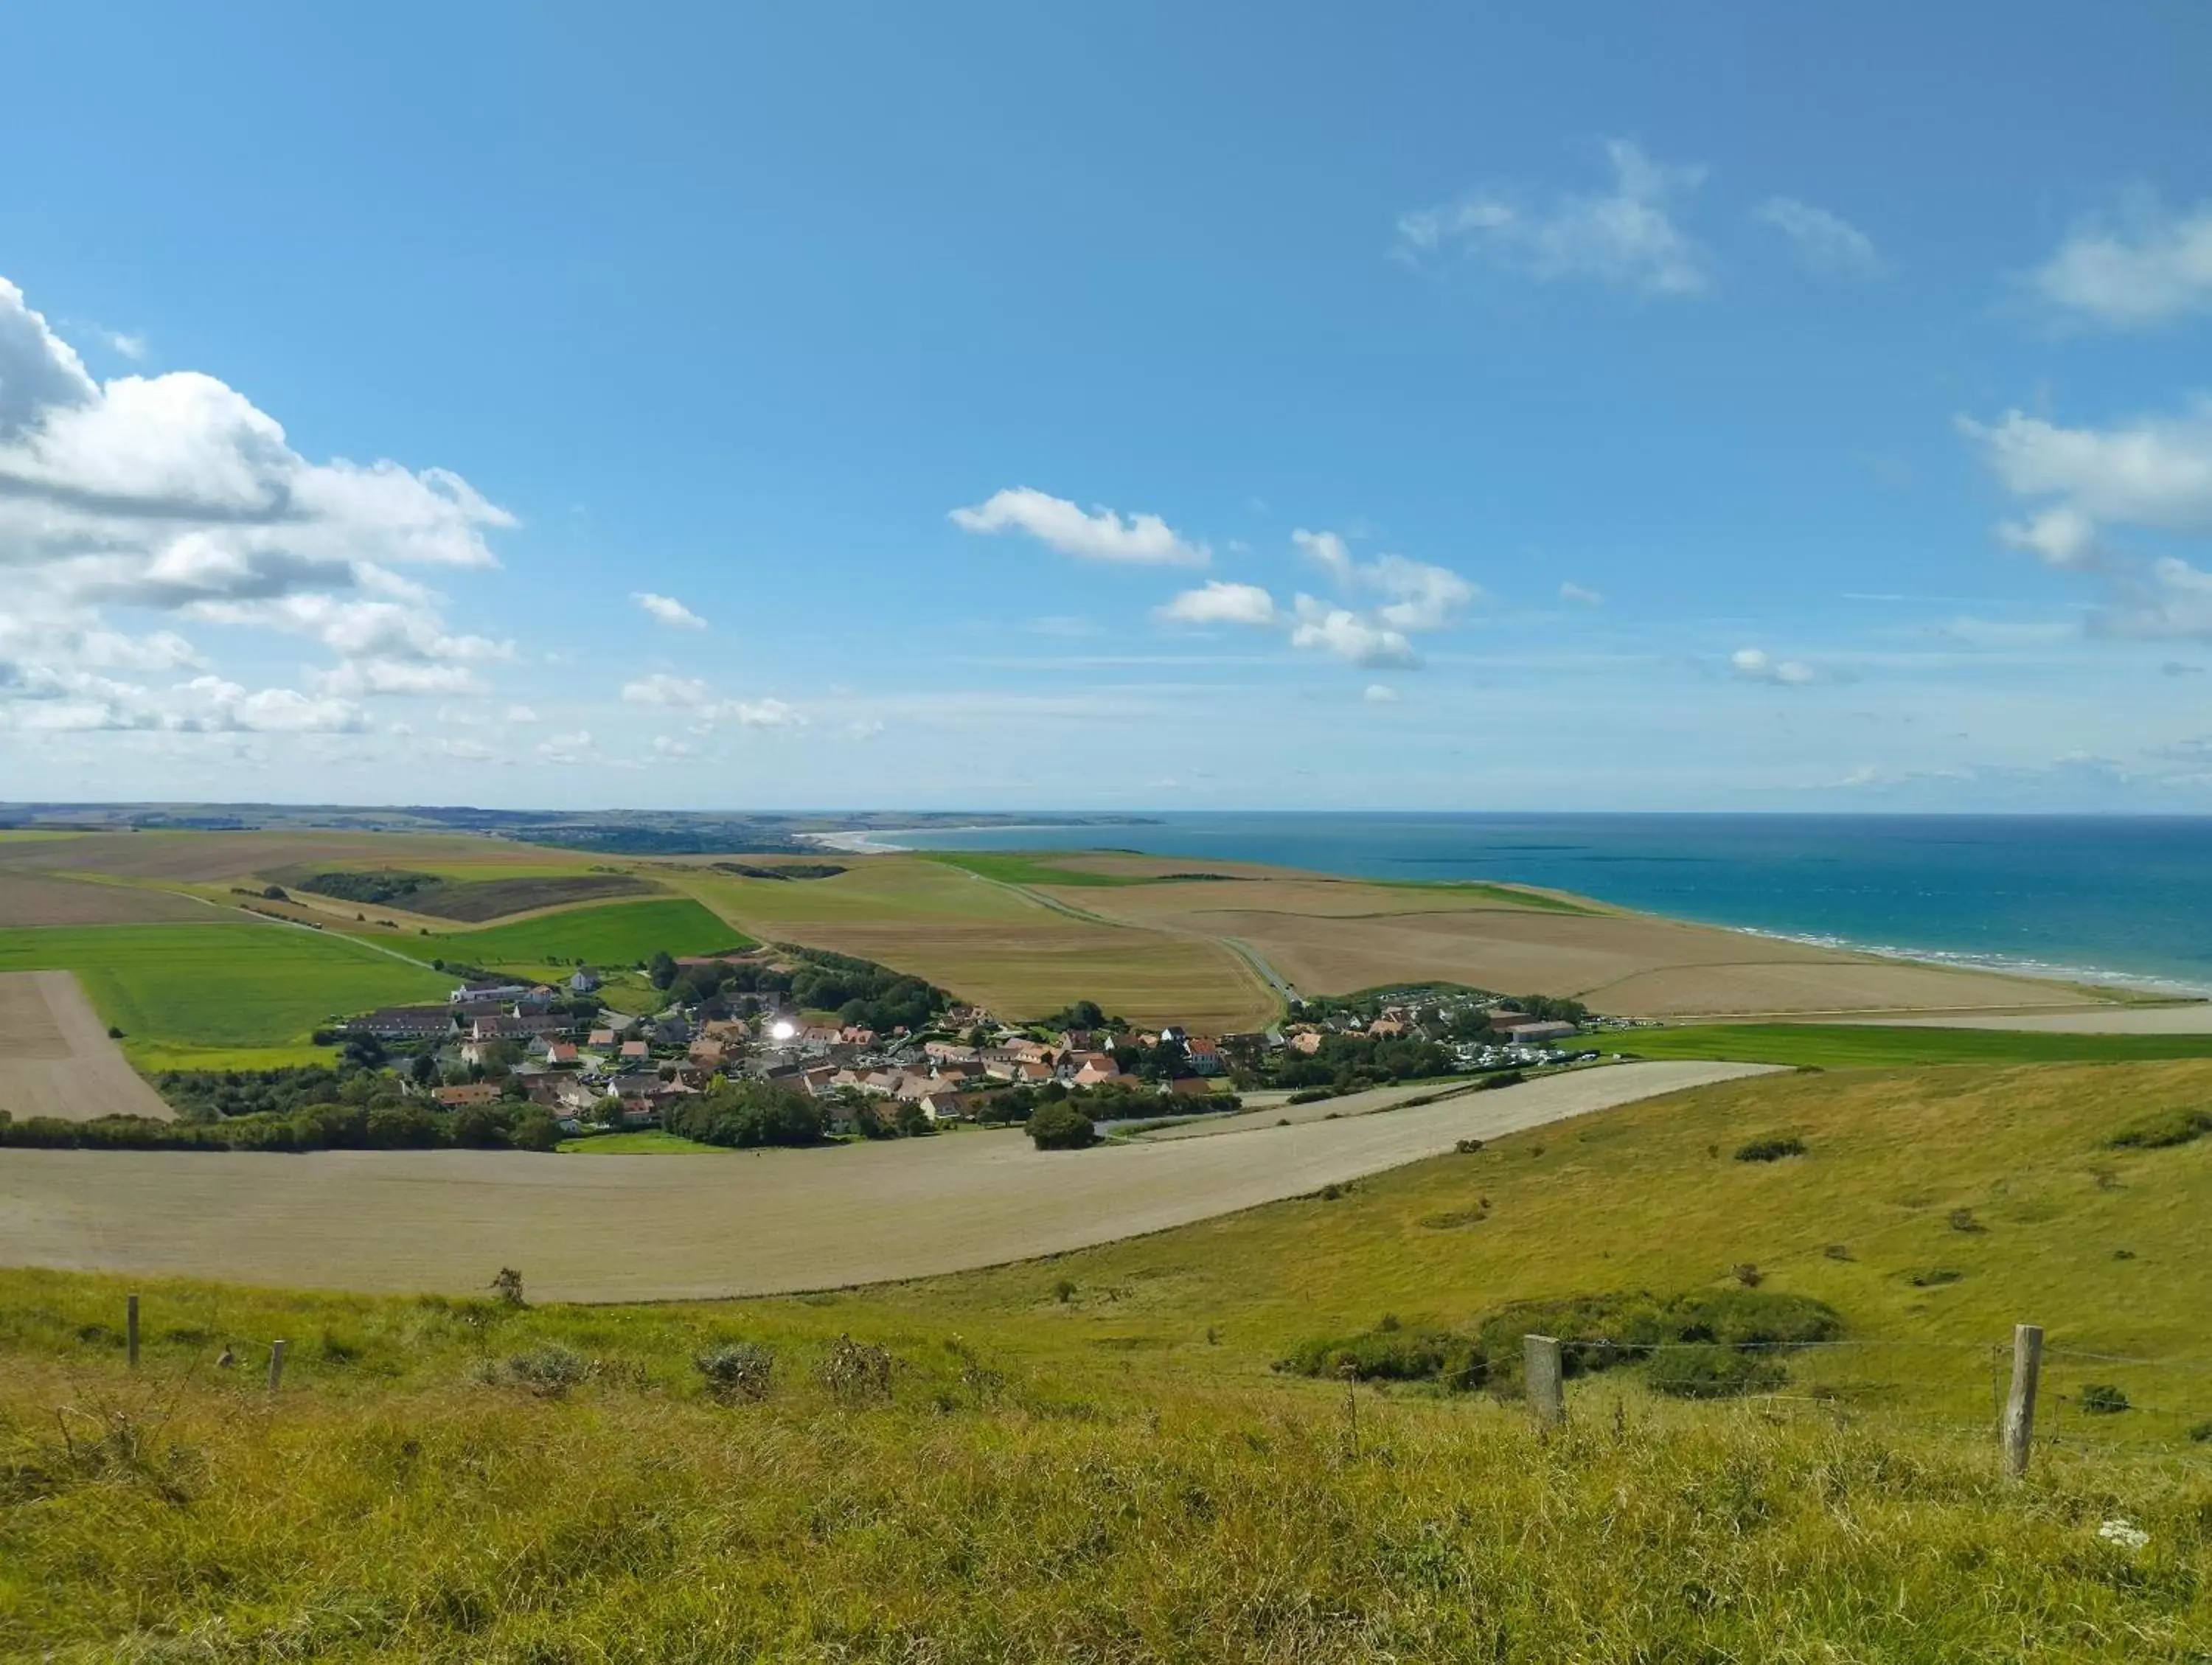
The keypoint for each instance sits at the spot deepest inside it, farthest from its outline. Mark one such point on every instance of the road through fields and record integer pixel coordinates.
(674, 1227)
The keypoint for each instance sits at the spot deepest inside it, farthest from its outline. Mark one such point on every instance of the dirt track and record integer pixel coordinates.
(56, 1058)
(670, 1227)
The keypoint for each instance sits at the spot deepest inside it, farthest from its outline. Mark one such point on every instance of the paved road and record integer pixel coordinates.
(672, 1227)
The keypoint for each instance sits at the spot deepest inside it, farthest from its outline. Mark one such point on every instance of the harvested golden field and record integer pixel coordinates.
(670, 1227)
(1626, 963)
(39, 899)
(56, 1058)
(206, 858)
(996, 945)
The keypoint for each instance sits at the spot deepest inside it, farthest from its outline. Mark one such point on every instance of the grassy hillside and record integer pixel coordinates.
(1091, 1458)
(219, 996)
(1851, 1046)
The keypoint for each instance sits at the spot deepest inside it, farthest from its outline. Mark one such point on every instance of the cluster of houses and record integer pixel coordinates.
(560, 1048)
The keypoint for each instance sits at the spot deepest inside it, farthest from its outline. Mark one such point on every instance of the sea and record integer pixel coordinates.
(2108, 899)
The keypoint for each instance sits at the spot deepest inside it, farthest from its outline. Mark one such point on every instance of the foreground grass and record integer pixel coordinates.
(976, 1510)
(1091, 1458)
(1856, 1046)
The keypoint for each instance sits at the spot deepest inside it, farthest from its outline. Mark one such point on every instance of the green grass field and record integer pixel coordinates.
(646, 1142)
(1024, 867)
(1852, 1046)
(1510, 894)
(220, 996)
(612, 934)
(1091, 1458)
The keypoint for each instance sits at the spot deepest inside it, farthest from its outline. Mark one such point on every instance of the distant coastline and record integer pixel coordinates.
(2123, 903)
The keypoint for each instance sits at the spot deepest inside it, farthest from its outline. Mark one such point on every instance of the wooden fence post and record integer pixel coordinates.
(130, 1329)
(2019, 1404)
(276, 1364)
(1540, 1363)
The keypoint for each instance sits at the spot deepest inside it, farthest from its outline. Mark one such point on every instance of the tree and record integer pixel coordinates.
(480, 1126)
(536, 1131)
(424, 1069)
(662, 969)
(1061, 1127)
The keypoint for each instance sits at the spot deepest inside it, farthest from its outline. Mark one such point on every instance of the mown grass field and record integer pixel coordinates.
(221, 995)
(610, 934)
(1849, 1046)
(1090, 1459)
(646, 1142)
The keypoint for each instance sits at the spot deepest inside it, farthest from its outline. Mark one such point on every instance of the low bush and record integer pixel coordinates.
(737, 1370)
(2103, 1399)
(2166, 1127)
(1391, 1352)
(1709, 1370)
(549, 1371)
(1772, 1148)
(1597, 1332)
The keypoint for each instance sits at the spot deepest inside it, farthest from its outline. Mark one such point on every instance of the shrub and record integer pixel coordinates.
(1748, 1274)
(548, 1371)
(1837, 1252)
(1771, 1148)
(2103, 1399)
(1962, 1219)
(737, 1370)
(1467, 1147)
(1391, 1352)
(1061, 1127)
(2165, 1129)
(1709, 1370)
(1932, 1277)
(1311, 1095)
(1598, 1331)
(1063, 1291)
(855, 1373)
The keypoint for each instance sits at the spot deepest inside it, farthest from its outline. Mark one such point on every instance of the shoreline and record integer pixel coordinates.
(2147, 987)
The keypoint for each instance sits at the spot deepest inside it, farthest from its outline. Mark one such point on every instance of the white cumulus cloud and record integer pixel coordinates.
(668, 610)
(1581, 596)
(1219, 603)
(2142, 266)
(176, 494)
(1626, 236)
(1379, 693)
(1099, 535)
(1341, 631)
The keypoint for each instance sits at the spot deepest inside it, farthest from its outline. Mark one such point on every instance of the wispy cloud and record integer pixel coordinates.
(1626, 236)
(1825, 241)
(1756, 664)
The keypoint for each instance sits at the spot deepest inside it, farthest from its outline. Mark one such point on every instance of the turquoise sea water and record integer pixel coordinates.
(2121, 899)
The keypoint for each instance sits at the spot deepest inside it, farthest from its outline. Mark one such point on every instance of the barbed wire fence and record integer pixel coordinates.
(2024, 1395)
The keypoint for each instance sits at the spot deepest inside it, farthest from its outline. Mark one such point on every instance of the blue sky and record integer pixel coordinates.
(1713, 407)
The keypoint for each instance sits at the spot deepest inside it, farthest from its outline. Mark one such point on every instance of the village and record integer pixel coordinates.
(558, 1046)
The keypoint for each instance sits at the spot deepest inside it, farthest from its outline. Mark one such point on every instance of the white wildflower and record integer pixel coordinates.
(2124, 1533)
